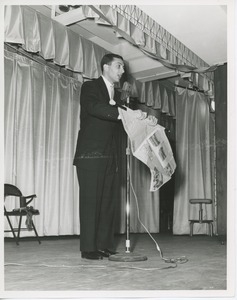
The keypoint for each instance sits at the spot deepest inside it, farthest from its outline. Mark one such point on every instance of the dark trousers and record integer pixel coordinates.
(96, 203)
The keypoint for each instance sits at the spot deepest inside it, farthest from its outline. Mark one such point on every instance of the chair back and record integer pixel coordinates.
(11, 190)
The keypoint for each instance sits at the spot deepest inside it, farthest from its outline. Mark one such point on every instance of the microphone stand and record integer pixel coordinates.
(128, 256)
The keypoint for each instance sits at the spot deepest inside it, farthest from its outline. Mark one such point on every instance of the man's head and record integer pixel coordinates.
(112, 66)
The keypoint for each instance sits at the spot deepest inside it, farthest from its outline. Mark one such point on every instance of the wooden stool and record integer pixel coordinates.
(200, 220)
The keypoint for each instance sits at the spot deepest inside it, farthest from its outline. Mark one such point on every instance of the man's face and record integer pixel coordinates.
(114, 71)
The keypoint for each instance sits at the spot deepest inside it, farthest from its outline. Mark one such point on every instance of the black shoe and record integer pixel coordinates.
(91, 255)
(106, 252)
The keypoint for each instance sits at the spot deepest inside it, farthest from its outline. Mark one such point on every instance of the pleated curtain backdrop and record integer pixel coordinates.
(193, 177)
(41, 124)
(42, 121)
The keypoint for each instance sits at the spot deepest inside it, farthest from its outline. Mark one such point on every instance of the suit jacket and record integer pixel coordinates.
(98, 122)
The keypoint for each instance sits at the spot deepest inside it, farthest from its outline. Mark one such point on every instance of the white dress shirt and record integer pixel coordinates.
(110, 87)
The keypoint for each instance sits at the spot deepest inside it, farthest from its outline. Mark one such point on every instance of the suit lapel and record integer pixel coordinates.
(103, 88)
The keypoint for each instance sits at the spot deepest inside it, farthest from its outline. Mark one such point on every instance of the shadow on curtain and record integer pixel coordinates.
(193, 158)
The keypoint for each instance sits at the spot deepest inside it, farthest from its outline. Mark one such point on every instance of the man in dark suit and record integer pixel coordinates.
(95, 159)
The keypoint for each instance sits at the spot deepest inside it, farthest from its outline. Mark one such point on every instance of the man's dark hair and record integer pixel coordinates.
(108, 58)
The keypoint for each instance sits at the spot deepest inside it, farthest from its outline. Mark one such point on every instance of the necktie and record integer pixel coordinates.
(111, 92)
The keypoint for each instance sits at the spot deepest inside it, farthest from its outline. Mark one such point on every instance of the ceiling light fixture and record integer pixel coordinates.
(66, 8)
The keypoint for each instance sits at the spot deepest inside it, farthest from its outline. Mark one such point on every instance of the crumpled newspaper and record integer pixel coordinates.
(150, 145)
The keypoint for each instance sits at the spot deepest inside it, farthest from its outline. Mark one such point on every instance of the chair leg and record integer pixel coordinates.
(36, 233)
(12, 230)
(211, 229)
(19, 228)
(191, 228)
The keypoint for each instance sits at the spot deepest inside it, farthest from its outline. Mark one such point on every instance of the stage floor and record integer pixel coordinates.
(56, 265)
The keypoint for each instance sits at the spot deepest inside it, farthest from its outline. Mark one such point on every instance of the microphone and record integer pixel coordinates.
(125, 93)
(126, 90)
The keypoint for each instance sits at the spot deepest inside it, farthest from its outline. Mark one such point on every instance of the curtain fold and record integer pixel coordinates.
(13, 25)
(193, 158)
(61, 48)
(76, 52)
(31, 33)
(47, 49)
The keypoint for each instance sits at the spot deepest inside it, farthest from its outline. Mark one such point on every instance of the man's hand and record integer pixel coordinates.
(151, 120)
(139, 114)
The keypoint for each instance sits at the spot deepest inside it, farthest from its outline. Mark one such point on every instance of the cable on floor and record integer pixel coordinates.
(178, 260)
(88, 266)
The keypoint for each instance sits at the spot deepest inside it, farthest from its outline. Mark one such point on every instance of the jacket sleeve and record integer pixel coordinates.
(95, 105)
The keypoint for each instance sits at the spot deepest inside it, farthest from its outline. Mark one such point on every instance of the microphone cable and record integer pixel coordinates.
(178, 260)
